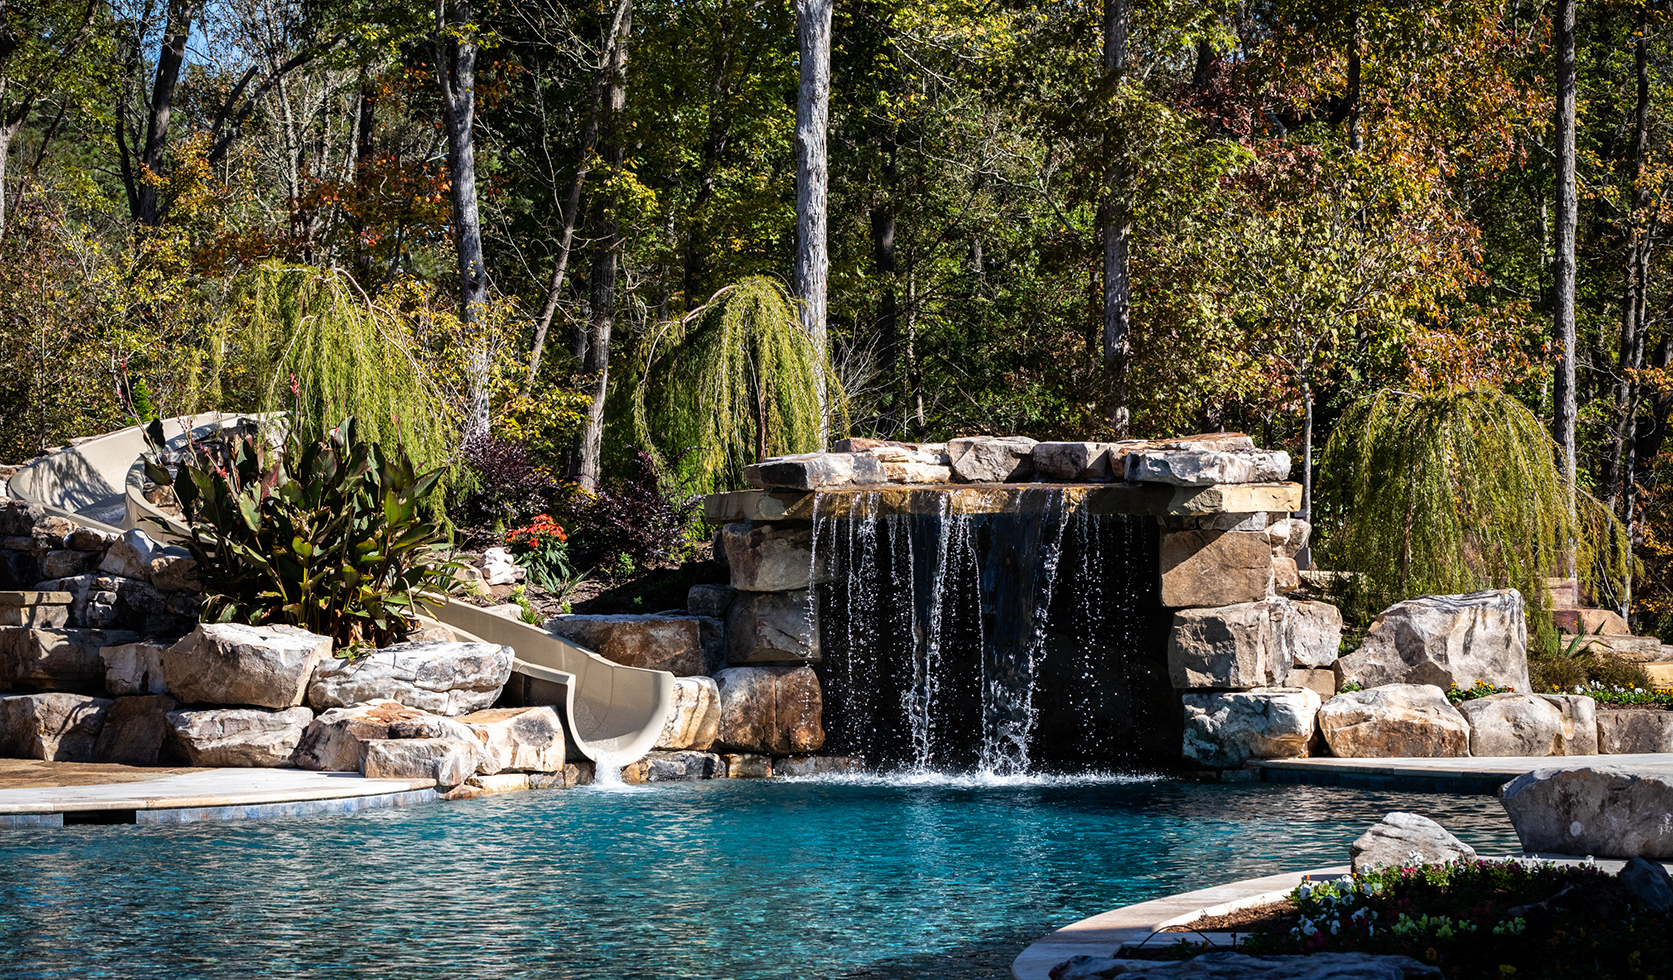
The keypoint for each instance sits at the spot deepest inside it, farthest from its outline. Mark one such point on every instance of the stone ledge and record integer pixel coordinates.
(36, 598)
(1135, 499)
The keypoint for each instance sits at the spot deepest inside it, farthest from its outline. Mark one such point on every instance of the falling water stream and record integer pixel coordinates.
(992, 642)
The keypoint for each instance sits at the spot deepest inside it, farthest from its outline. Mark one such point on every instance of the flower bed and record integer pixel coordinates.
(1479, 919)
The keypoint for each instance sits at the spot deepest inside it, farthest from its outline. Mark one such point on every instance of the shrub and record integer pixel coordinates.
(647, 516)
(322, 532)
(504, 485)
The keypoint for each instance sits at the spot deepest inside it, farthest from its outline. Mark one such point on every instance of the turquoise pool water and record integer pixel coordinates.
(724, 879)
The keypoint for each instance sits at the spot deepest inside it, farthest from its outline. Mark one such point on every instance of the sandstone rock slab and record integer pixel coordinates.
(46, 610)
(56, 727)
(1394, 842)
(1213, 568)
(57, 659)
(1225, 730)
(440, 676)
(135, 668)
(447, 761)
(130, 555)
(1238, 646)
(769, 557)
(771, 710)
(1315, 634)
(135, 730)
(1513, 725)
(991, 459)
(710, 600)
(1604, 811)
(237, 737)
(1446, 640)
(518, 739)
(816, 471)
(694, 717)
(1074, 461)
(336, 740)
(772, 627)
(1579, 715)
(663, 766)
(746, 765)
(235, 664)
(654, 642)
(1393, 721)
(1631, 731)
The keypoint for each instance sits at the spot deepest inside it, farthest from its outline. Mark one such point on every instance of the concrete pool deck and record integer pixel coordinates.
(1477, 776)
(46, 794)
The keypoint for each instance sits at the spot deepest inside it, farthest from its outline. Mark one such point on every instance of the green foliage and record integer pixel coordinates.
(1480, 689)
(1455, 492)
(309, 342)
(542, 548)
(324, 532)
(738, 379)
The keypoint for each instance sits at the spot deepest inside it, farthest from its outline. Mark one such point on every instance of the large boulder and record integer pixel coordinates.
(130, 555)
(1239, 646)
(1200, 468)
(816, 471)
(654, 642)
(54, 727)
(135, 730)
(231, 663)
(1513, 725)
(446, 761)
(518, 739)
(771, 710)
(1215, 568)
(710, 601)
(1225, 730)
(768, 557)
(57, 659)
(135, 668)
(239, 737)
(1075, 461)
(336, 740)
(1634, 731)
(1445, 640)
(668, 767)
(694, 717)
(1604, 811)
(1315, 634)
(772, 627)
(1579, 723)
(1393, 721)
(1406, 839)
(991, 459)
(440, 676)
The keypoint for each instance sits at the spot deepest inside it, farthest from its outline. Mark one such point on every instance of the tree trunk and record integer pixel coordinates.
(620, 24)
(1118, 226)
(7, 132)
(888, 307)
(719, 129)
(812, 262)
(171, 54)
(456, 71)
(1564, 268)
(601, 279)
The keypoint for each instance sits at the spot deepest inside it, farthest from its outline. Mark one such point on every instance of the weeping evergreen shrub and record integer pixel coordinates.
(1457, 491)
(309, 342)
(737, 381)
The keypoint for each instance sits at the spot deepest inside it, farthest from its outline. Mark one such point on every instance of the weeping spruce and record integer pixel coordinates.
(1455, 492)
(739, 380)
(346, 357)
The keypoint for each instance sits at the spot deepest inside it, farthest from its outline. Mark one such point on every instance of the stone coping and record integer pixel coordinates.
(36, 598)
(1106, 932)
(1137, 499)
(210, 789)
(1467, 774)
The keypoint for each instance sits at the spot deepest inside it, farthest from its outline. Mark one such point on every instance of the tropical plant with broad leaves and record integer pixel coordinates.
(325, 531)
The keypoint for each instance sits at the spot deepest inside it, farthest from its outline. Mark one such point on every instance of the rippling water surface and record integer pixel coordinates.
(929, 877)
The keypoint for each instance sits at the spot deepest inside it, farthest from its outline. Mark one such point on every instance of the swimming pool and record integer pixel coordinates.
(868, 878)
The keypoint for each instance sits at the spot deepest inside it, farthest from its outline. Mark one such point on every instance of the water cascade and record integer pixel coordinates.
(1029, 636)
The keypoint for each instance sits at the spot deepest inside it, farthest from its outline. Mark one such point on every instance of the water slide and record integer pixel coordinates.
(613, 713)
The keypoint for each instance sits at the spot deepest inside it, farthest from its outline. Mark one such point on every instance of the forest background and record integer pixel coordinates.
(1242, 216)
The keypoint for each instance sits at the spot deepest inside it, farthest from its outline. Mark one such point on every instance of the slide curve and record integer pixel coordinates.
(613, 713)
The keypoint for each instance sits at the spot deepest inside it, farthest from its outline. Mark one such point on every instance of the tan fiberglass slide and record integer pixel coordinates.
(614, 713)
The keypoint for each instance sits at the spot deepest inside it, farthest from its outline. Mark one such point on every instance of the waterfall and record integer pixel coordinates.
(958, 640)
